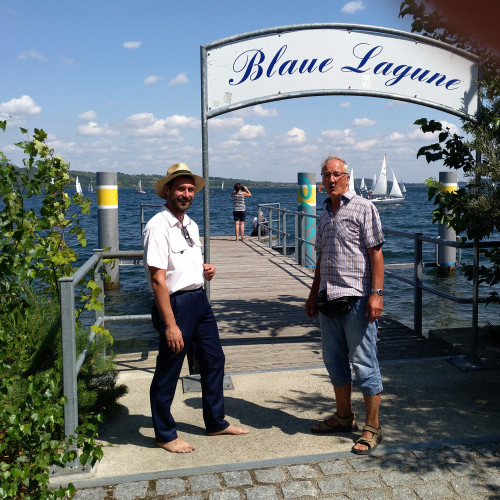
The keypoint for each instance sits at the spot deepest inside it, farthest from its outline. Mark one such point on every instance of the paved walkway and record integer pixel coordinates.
(460, 472)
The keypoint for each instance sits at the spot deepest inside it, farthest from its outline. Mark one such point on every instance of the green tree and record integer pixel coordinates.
(475, 209)
(36, 249)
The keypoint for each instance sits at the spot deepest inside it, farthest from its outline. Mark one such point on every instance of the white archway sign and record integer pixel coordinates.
(332, 59)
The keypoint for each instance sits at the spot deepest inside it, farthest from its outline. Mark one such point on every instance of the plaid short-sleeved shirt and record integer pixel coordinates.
(343, 239)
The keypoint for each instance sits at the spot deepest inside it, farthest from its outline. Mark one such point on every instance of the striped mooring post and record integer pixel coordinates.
(306, 197)
(447, 256)
(107, 222)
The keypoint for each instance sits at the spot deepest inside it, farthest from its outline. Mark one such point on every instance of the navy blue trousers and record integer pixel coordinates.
(196, 321)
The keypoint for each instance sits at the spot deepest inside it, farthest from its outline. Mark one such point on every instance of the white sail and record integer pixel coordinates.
(403, 187)
(374, 182)
(351, 180)
(362, 186)
(78, 186)
(222, 187)
(395, 189)
(381, 186)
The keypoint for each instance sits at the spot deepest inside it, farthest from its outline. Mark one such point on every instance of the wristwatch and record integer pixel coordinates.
(378, 291)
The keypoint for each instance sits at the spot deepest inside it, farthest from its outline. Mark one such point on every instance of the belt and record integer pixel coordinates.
(180, 292)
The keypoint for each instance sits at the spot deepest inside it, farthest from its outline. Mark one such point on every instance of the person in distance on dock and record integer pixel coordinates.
(239, 211)
(175, 272)
(347, 294)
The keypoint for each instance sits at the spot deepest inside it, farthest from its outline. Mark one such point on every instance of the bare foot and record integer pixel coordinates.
(232, 430)
(176, 446)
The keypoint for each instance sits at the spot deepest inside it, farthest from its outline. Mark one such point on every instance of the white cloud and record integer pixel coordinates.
(352, 7)
(229, 144)
(131, 45)
(147, 125)
(250, 132)
(336, 135)
(294, 137)
(364, 122)
(92, 128)
(259, 111)
(88, 116)
(25, 105)
(363, 145)
(152, 79)
(183, 121)
(31, 54)
(395, 136)
(180, 79)
(224, 123)
(345, 105)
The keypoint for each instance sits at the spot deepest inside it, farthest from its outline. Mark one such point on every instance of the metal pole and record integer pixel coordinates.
(418, 273)
(285, 250)
(69, 356)
(204, 159)
(107, 222)
(447, 256)
(306, 197)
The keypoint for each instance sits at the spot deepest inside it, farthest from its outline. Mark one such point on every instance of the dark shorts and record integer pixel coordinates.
(239, 215)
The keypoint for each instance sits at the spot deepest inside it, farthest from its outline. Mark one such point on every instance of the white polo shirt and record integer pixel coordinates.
(166, 248)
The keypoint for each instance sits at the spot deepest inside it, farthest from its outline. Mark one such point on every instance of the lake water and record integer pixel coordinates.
(413, 215)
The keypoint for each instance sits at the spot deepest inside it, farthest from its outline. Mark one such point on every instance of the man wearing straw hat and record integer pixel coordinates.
(182, 315)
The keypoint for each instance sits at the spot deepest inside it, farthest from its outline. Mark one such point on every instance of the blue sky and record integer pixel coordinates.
(116, 85)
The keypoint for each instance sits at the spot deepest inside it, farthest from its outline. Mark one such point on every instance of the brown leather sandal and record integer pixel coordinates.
(370, 442)
(345, 425)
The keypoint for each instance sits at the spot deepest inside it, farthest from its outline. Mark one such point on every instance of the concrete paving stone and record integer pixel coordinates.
(487, 449)
(399, 478)
(397, 461)
(428, 471)
(365, 463)
(372, 495)
(488, 463)
(469, 488)
(302, 472)
(460, 469)
(90, 494)
(170, 486)
(225, 495)
(298, 489)
(261, 493)
(336, 467)
(275, 475)
(237, 478)
(433, 491)
(461, 454)
(190, 497)
(204, 482)
(131, 491)
(492, 479)
(403, 493)
(334, 485)
(365, 480)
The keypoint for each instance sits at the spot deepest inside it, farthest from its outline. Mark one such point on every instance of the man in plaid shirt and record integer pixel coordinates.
(350, 264)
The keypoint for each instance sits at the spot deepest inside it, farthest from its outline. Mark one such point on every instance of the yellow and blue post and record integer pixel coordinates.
(306, 197)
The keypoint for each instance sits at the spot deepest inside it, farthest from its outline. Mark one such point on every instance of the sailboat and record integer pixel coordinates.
(374, 183)
(362, 187)
(403, 188)
(222, 186)
(139, 189)
(91, 188)
(78, 186)
(351, 180)
(379, 193)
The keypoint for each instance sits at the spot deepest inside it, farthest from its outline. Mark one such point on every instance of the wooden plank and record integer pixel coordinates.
(258, 297)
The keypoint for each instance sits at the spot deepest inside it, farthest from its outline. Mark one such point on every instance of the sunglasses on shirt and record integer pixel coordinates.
(188, 238)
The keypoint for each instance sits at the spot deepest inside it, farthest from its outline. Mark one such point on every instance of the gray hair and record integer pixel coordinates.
(331, 156)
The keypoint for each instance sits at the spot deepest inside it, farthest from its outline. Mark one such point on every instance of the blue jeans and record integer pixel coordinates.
(352, 338)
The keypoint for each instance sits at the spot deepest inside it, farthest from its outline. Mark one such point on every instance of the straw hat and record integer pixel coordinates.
(178, 170)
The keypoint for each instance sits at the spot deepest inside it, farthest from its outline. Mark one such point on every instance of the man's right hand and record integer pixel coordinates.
(174, 339)
(311, 310)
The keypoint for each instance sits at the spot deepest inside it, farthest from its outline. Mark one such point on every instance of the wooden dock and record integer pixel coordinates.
(258, 297)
